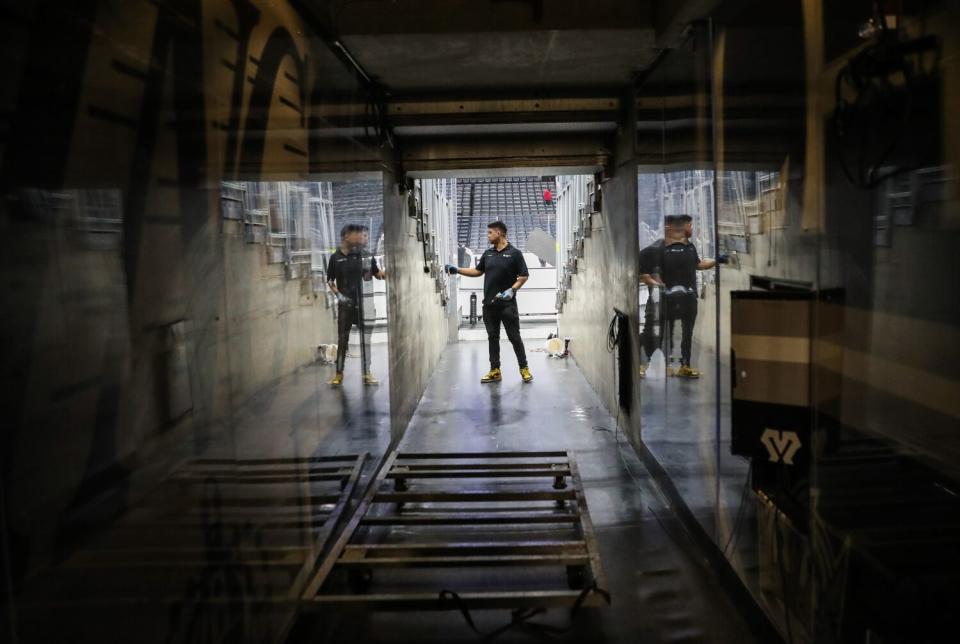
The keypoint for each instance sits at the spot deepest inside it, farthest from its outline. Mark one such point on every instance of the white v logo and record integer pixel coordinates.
(781, 446)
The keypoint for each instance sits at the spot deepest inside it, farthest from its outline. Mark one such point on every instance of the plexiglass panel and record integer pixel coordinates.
(177, 457)
(678, 287)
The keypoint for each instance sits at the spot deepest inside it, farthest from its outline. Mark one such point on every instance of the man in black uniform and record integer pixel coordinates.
(679, 263)
(504, 272)
(347, 270)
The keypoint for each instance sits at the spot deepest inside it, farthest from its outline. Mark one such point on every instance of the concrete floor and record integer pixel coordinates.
(113, 586)
(304, 416)
(661, 590)
(679, 421)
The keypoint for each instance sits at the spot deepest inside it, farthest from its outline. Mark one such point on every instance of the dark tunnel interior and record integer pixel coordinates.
(480, 320)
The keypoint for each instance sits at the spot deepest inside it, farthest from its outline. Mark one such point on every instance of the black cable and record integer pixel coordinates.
(736, 523)
(783, 576)
(783, 493)
(619, 445)
(831, 569)
(613, 341)
(613, 334)
(521, 616)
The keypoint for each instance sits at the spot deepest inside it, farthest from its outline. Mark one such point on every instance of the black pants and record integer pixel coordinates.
(683, 307)
(508, 313)
(347, 316)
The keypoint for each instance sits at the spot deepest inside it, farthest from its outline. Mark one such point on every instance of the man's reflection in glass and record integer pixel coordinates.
(671, 264)
(349, 267)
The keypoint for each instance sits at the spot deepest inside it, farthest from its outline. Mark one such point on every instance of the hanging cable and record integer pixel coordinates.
(613, 334)
(735, 533)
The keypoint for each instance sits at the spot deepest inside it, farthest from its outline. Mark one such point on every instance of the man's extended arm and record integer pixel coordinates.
(466, 272)
(650, 280)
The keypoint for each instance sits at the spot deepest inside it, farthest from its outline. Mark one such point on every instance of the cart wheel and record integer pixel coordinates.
(359, 580)
(576, 579)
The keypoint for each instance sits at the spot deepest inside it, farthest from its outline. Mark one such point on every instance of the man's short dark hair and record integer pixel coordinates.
(352, 228)
(499, 225)
(677, 220)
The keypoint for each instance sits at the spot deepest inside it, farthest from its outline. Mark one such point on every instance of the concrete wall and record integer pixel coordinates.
(606, 279)
(417, 321)
(127, 350)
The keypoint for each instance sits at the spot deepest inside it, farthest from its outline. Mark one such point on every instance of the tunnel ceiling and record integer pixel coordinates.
(477, 77)
(527, 60)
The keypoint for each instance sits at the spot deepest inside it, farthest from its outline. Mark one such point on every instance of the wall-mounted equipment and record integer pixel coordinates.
(888, 108)
(618, 341)
(413, 210)
(586, 224)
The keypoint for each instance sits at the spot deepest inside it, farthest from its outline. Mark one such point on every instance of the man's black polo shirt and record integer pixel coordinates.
(680, 262)
(500, 269)
(347, 271)
(651, 259)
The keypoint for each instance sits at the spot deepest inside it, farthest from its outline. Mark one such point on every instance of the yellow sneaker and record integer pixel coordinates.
(525, 374)
(337, 380)
(368, 379)
(688, 372)
(493, 375)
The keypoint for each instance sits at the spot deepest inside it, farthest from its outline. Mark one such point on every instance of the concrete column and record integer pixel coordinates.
(607, 279)
(417, 322)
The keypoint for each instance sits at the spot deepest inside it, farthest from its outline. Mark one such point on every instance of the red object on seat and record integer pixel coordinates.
(546, 194)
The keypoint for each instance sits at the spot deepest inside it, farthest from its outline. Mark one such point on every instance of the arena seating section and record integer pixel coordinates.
(516, 201)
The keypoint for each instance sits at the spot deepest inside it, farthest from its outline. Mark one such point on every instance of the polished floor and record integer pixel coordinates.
(688, 431)
(184, 560)
(661, 590)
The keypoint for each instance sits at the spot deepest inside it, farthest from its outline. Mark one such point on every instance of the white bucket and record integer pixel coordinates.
(658, 366)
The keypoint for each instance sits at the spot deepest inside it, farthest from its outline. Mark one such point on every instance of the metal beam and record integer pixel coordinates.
(470, 16)
(464, 153)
